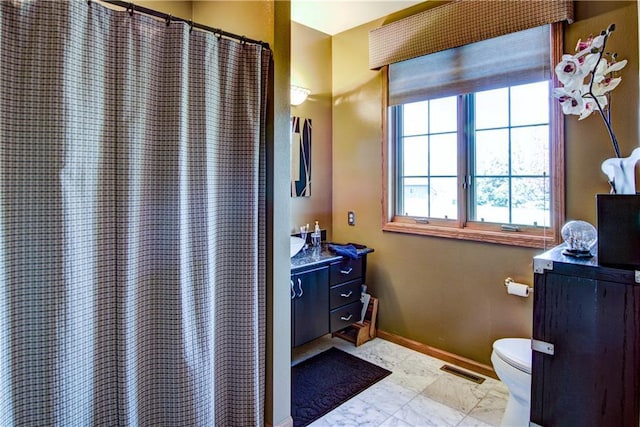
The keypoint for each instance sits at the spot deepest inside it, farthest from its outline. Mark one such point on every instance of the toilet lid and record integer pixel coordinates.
(515, 351)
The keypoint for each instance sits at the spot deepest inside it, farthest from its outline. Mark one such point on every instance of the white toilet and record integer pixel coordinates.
(511, 359)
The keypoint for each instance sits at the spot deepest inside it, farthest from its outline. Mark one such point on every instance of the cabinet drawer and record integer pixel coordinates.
(345, 270)
(344, 316)
(345, 293)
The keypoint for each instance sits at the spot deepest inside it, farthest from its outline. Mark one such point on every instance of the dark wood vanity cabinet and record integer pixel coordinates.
(586, 341)
(325, 294)
(309, 301)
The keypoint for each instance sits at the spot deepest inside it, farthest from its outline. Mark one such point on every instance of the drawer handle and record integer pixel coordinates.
(293, 293)
(347, 295)
(347, 271)
(346, 318)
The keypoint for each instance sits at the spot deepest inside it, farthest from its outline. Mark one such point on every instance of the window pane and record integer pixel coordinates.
(530, 150)
(444, 198)
(415, 192)
(491, 202)
(443, 116)
(531, 201)
(444, 154)
(492, 152)
(415, 117)
(530, 104)
(492, 108)
(415, 156)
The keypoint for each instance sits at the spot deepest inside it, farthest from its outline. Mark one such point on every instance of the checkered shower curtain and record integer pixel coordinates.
(132, 206)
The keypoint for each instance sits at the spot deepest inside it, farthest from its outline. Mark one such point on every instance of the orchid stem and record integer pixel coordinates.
(605, 118)
(607, 123)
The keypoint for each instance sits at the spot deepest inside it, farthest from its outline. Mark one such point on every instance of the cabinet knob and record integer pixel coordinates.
(346, 318)
(347, 295)
(347, 271)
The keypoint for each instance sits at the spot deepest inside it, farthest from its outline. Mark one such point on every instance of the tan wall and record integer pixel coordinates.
(177, 8)
(251, 18)
(447, 293)
(311, 68)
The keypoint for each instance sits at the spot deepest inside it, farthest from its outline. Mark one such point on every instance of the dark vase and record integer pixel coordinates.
(619, 230)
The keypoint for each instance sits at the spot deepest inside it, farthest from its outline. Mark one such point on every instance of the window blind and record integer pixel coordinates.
(460, 23)
(508, 60)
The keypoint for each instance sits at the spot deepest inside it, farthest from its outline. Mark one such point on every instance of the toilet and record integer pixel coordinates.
(511, 359)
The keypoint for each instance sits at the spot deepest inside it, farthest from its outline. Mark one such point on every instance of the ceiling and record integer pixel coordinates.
(335, 16)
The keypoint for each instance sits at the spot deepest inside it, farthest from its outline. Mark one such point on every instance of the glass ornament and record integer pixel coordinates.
(579, 238)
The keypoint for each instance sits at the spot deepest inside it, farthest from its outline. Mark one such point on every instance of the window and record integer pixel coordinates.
(482, 164)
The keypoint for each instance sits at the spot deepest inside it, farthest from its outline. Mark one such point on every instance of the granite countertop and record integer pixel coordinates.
(320, 255)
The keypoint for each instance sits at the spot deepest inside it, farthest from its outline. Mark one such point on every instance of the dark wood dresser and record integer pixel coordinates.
(586, 341)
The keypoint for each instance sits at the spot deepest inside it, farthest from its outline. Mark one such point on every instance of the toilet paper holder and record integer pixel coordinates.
(509, 281)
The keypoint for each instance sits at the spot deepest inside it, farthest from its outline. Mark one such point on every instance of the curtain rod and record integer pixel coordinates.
(169, 18)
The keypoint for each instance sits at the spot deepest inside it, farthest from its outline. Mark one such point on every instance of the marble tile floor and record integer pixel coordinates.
(416, 394)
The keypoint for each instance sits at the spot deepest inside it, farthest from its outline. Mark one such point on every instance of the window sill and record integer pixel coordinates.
(518, 238)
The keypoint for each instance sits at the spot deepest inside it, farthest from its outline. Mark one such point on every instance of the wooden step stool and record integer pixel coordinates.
(359, 333)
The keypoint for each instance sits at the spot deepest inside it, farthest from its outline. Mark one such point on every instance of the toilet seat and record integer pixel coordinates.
(514, 351)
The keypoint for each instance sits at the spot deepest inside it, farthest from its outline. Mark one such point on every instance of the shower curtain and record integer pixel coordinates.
(132, 255)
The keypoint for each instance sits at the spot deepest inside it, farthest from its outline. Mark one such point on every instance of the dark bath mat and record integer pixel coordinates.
(327, 380)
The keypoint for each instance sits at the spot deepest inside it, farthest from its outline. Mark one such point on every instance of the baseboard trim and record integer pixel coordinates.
(463, 362)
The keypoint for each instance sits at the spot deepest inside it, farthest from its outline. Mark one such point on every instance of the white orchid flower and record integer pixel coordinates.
(589, 106)
(571, 100)
(589, 62)
(616, 66)
(588, 78)
(605, 85)
(591, 45)
(597, 42)
(570, 71)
